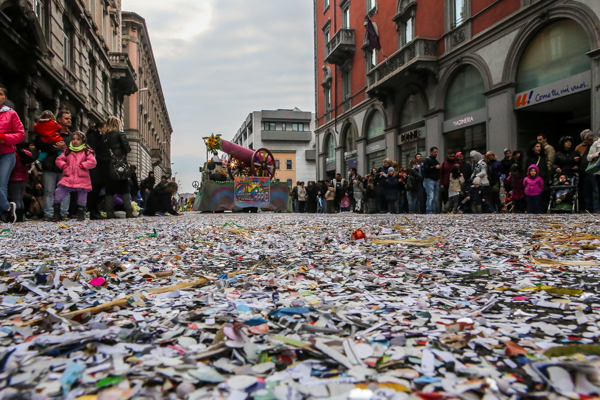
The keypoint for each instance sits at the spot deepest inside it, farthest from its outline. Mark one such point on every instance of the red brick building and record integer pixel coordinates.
(456, 74)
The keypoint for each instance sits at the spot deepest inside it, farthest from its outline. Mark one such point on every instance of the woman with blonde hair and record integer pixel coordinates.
(117, 142)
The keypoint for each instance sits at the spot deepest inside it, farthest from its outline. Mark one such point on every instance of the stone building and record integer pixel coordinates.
(146, 121)
(288, 135)
(64, 54)
(456, 74)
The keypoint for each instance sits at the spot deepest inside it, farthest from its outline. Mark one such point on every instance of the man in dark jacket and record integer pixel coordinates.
(99, 174)
(446, 169)
(340, 186)
(53, 174)
(159, 200)
(431, 177)
(147, 186)
(134, 186)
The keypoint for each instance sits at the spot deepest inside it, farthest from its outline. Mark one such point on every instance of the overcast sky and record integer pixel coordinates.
(219, 60)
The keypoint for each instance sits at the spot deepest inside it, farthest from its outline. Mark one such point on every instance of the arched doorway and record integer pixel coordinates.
(411, 139)
(350, 149)
(376, 148)
(465, 113)
(330, 159)
(553, 84)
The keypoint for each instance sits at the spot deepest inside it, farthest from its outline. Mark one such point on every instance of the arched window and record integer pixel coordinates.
(413, 110)
(556, 52)
(405, 21)
(330, 148)
(465, 92)
(376, 125)
(349, 139)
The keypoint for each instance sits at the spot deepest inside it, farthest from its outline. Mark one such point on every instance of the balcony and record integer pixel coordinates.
(341, 47)
(310, 155)
(122, 73)
(419, 55)
(286, 136)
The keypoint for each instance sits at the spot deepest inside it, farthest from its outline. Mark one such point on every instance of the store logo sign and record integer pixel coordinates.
(463, 121)
(554, 90)
(408, 136)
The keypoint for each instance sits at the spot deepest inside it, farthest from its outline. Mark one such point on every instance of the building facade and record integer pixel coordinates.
(456, 74)
(146, 118)
(289, 135)
(64, 54)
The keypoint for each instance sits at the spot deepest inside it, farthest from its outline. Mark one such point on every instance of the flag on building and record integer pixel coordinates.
(372, 34)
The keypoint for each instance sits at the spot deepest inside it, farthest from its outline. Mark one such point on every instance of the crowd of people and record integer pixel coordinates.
(64, 174)
(531, 181)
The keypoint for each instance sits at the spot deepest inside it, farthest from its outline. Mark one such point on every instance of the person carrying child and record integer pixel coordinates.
(48, 130)
(456, 181)
(75, 164)
(534, 186)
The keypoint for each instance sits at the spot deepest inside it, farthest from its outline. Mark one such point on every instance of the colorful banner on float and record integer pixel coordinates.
(252, 191)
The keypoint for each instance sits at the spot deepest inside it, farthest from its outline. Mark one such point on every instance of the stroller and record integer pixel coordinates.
(508, 206)
(570, 202)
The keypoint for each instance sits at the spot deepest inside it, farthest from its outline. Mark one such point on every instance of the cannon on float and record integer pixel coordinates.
(243, 161)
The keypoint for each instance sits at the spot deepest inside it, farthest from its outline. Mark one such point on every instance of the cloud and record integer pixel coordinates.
(219, 60)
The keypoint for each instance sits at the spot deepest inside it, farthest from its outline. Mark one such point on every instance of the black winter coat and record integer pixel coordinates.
(159, 200)
(95, 139)
(117, 142)
(391, 187)
(565, 160)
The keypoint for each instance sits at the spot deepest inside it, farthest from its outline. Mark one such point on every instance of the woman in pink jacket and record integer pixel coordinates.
(11, 134)
(75, 164)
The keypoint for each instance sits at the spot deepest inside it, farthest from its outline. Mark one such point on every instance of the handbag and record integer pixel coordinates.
(119, 168)
(593, 168)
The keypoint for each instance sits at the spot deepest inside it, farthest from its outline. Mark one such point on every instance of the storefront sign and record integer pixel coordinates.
(462, 121)
(409, 136)
(375, 147)
(564, 87)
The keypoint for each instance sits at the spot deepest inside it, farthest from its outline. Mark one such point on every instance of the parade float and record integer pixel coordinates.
(240, 179)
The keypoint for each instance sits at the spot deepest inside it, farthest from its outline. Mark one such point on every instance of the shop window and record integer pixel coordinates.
(330, 147)
(376, 125)
(289, 164)
(465, 93)
(467, 139)
(413, 110)
(408, 151)
(556, 52)
(375, 160)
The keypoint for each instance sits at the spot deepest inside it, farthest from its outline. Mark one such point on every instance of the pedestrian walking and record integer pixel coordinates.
(118, 145)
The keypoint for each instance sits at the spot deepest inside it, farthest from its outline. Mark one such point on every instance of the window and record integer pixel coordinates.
(251, 146)
(376, 125)
(283, 126)
(92, 75)
(269, 126)
(290, 182)
(330, 147)
(278, 164)
(289, 164)
(327, 99)
(68, 44)
(298, 127)
(556, 52)
(371, 5)
(346, 94)
(105, 97)
(346, 17)
(465, 92)
(325, 5)
(39, 13)
(413, 110)
(408, 31)
(459, 12)
(371, 59)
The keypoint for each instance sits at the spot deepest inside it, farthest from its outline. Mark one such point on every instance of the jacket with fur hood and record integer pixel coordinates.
(480, 169)
(533, 186)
